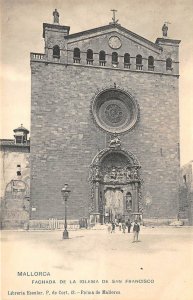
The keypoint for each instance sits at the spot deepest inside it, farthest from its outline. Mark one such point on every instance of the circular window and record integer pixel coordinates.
(115, 110)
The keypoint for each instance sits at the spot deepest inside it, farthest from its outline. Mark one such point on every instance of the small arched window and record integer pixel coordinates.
(56, 51)
(139, 65)
(168, 63)
(102, 58)
(76, 55)
(115, 59)
(89, 57)
(150, 63)
(127, 60)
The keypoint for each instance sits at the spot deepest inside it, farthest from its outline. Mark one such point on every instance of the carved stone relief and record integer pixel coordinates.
(115, 142)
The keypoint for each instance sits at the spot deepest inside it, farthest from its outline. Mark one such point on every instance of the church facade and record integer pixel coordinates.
(105, 120)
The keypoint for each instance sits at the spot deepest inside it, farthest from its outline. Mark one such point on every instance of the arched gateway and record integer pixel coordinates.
(115, 185)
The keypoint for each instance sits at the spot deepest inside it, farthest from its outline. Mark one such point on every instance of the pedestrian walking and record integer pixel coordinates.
(112, 227)
(123, 227)
(136, 229)
(120, 225)
(129, 225)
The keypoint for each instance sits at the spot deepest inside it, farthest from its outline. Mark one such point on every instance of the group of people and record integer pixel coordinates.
(122, 226)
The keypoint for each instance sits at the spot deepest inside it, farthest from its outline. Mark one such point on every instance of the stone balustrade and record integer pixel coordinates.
(37, 56)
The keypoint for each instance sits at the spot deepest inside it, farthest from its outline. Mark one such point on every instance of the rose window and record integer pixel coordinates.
(115, 110)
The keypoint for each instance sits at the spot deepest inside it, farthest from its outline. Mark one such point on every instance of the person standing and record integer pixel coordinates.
(120, 225)
(136, 229)
(123, 227)
(128, 225)
(112, 227)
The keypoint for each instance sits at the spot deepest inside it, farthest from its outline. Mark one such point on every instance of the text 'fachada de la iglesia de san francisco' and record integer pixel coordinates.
(105, 119)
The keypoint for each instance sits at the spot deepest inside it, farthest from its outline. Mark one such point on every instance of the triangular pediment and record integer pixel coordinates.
(114, 29)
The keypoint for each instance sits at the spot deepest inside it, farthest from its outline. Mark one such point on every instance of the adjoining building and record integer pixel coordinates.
(186, 193)
(15, 179)
(105, 120)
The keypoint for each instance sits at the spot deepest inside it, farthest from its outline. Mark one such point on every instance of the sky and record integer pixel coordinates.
(21, 33)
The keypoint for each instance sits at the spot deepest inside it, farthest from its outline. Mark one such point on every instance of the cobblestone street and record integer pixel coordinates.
(158, 267)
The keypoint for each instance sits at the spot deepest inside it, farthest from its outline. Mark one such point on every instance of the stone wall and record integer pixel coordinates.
(64, 138)
(15, 213)
(14, 210)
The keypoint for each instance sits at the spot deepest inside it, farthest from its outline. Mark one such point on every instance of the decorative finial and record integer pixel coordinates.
(56, 16)
(165, 29)
(113, 18)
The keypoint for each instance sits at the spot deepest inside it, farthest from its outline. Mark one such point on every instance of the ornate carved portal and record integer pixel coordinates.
(115, 185)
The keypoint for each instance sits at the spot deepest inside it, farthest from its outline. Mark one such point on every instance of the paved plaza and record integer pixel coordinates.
(95, 264)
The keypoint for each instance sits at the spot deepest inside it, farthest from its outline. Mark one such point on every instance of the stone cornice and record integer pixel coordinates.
(8, 143)
(167, 41)
(56, 27)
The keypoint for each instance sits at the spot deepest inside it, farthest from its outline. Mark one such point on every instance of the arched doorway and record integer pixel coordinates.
(115, 185)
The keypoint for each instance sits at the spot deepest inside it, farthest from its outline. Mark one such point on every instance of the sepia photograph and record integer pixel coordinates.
(96, 149)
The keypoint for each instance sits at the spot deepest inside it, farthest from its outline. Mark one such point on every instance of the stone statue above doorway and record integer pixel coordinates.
(115, 142)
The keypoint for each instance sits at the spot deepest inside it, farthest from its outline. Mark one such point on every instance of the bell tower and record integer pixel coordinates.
(54, 36)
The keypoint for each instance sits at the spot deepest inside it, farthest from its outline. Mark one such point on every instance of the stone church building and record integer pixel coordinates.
(105, 120)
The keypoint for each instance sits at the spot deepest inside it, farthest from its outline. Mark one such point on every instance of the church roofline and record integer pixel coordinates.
(93, 30)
